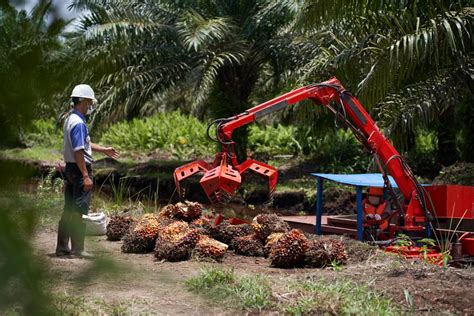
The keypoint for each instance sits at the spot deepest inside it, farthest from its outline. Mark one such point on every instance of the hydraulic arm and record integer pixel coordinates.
(223, 176)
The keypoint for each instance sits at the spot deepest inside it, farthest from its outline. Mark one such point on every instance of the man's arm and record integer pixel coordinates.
(109, 151)
(81, 164)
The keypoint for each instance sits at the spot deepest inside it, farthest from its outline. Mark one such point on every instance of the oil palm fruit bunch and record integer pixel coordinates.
(164, 221)
(188, 211)
(289, 250)
(193, 211)
(142, 235)
(208, 248)
(118, 226)
(204, 224)
(177, 247)
(266, 224)
(170, 211)
(323, 252)
(249, 245)
(317, 256)
(226, 232)
(173, 231)
(271, 240)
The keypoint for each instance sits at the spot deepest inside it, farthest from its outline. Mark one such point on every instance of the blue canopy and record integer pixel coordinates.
(363, 179)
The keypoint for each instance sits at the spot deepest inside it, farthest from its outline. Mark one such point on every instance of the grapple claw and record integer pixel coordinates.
(263, 170)
(221, 182)
(187, 171)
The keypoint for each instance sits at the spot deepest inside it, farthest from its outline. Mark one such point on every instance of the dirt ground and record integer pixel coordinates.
(132, 284)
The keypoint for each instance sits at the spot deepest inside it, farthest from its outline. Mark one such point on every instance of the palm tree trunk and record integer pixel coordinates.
(446, 131)
(231, 97)
(466, 114)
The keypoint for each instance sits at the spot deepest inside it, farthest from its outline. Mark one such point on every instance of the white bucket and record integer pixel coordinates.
(96, 223)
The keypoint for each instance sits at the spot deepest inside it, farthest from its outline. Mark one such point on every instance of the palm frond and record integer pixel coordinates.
(196, 31)
(235, 54)
(418, 105)
(427, 48)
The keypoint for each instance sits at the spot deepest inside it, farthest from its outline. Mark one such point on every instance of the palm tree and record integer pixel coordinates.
(215, 52)
(30, 48)
(409, 60)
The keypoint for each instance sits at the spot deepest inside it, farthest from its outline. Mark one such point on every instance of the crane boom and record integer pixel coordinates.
(224, 173)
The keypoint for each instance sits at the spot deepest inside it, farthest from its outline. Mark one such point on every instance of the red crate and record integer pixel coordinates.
(452, 201)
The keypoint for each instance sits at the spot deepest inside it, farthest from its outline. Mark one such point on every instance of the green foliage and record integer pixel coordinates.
(336, 151)
(203, 40)
(403, 240)
(409, 60)
(274, 140)
(194, 48)
(247, 292)
(426, 142)
(45, 133)
(340, 298)
(69, 304)
(21, 274)
(29, 43)
(29, 52)
(181, 135)
(210, 278)
(184, 136)
(50, 184)
(33, 153)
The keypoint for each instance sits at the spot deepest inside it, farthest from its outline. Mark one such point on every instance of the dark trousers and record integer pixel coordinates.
(75, 199)
(76, 203)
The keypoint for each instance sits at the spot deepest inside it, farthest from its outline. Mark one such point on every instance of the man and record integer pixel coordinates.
(78, 173)
(376, 209)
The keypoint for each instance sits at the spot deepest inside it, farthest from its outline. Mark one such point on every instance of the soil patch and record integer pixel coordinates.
(338, 201)
(158, 287)
(461, 173)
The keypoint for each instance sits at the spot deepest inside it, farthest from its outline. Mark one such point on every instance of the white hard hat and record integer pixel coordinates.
(83, 91)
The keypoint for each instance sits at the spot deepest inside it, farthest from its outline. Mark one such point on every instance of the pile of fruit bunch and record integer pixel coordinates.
(188, 211)
(118, 226)
(208, 248)
(226, 232)
(289, 250)
(249, 245)
(176, 241)
(142, 235)
(322, 252)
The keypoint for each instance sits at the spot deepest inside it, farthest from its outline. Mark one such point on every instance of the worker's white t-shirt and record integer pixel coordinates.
(76, 137)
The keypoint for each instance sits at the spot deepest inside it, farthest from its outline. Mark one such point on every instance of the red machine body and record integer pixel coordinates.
(223, 176)
(452, 201)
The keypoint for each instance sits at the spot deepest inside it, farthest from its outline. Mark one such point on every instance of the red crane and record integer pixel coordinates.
(223, 176)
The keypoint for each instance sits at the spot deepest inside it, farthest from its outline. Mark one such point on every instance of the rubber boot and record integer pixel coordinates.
(62, 247)
(77, 238)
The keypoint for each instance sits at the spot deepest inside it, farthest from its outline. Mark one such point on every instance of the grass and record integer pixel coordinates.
(337, 297)
(69, 304)
(180, 135)
(251, 292)
(33, 153)
(310, 296)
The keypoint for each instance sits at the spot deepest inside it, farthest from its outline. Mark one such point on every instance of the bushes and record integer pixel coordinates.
(273, 140)
(181, 135)
(335, 151)
(184, 137)
(45, 133)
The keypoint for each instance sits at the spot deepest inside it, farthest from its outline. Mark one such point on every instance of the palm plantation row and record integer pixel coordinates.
(409, 62)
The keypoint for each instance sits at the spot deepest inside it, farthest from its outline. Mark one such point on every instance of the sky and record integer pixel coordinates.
(60, 5)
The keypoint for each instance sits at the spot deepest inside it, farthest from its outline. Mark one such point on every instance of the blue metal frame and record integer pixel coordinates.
(360, 228)
(319, 204)
(319, 208)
